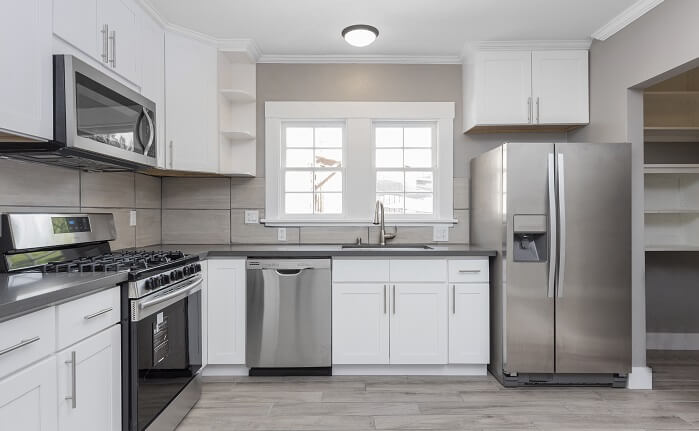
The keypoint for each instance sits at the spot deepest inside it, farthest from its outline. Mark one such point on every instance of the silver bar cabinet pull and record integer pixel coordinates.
(562, 224)
(537, 110)
(112, 38)
(553, 225)
(19, 345)
(105, 43)
(469, 271)
(529, 109)
(385, 301)
(72, 397)
(172, 155)
(98, 313)
(453, 299)
(394, 299)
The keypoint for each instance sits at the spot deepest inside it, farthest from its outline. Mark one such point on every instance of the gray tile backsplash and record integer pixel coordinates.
(148, 191)
(333, 235)
(148, 227)
(107, 189)
(196, 226)
(196, 193)
(243, 233)
(29, 184)
(247, 193)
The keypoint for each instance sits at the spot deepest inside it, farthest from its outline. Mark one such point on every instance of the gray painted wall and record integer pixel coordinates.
(638, 56)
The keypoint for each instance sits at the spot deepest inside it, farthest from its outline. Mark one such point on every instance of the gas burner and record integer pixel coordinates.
(132, 260)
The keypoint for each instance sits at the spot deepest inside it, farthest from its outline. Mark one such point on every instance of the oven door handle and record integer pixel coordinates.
(179, 292)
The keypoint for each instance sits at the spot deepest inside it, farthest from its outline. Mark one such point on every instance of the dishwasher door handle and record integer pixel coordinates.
(289, 272)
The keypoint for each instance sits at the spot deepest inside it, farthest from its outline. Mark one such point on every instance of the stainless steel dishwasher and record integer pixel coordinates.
(288, 317)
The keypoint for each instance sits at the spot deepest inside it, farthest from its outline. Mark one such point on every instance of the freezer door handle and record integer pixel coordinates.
(553, 224)
(562, 223)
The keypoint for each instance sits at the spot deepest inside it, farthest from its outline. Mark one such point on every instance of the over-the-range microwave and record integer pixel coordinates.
(99, 123)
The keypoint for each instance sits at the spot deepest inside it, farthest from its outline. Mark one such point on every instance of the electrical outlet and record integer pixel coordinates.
(281, 234)
(132, 218)
(252, 216)
(440, 233)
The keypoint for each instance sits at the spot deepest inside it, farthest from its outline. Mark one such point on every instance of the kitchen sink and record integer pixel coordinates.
(406, 247)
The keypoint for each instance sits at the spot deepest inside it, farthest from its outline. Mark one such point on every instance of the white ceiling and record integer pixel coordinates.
(407, 27)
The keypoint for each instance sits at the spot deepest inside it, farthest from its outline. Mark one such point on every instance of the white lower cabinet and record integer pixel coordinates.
(419, 323)
(360, 323)
(28, 398)
(226, 311)
(89, 383)
(469, 329)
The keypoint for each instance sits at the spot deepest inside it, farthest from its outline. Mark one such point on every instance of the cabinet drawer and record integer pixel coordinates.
(418, 270)
(468, 271)
(26, 339)
(360, 270)
(85, 316)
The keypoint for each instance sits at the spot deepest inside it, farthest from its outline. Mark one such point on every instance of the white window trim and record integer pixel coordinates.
(358, 150)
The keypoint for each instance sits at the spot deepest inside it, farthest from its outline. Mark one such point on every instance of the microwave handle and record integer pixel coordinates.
(151, 134)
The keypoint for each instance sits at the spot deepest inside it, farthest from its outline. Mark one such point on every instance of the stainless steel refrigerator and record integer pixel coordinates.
(560, 217)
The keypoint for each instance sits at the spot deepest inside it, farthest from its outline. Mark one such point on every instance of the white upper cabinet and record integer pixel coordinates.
(560, 90)
(191, 104)
(503, 83)
(26, 98)
(152, 62)
(524, 90)
(105, 30)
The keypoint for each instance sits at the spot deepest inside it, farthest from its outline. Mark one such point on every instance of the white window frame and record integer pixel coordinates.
(359, 171)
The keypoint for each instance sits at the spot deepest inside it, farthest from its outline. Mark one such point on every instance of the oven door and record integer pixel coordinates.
(165, 349)
(96, 114)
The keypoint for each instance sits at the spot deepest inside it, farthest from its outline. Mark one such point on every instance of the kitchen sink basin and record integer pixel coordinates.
(405, 247)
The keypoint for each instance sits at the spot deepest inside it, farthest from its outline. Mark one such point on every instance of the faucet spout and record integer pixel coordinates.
(379, 220)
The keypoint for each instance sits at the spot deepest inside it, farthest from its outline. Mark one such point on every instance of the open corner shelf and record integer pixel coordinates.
(237, 135)
(237, 96)
(671, 168)
(671, 134)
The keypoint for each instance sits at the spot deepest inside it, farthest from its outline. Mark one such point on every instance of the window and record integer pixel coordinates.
(404, 156)
(313, 171)
(327, 163)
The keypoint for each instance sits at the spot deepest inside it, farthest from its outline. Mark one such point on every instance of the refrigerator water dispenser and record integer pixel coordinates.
(530, 242)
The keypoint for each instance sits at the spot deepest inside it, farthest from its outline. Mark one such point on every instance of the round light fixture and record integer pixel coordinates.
(360, 35)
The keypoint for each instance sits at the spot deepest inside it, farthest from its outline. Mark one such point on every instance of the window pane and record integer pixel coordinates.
(389, 158)
(392, 202)
(418, 182)
(299, 181)
(299, 137)
(418, 158)
(328, 203)
(298, 203)
(418, 203)
(389, 181)
(299, 158)
(329, 137)
(389, 137)
(329, 158)
(418, 137)
(328, 181)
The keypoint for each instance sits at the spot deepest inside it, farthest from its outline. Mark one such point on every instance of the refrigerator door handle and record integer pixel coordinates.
(562, 224)
(553, 225)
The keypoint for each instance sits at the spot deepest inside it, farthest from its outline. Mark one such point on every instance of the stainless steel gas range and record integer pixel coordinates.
(161, 307)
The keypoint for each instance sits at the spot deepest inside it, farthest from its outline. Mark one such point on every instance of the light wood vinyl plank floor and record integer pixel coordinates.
(447, 403)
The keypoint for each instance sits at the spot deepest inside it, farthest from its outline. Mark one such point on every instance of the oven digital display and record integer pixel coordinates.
(70, 224)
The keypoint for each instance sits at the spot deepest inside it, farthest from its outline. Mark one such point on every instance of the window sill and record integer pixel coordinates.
(355, 223)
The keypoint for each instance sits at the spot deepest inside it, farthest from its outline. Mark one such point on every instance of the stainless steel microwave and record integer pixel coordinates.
(99, 123)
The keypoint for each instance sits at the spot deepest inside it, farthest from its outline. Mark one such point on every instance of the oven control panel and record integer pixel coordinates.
(173, 276)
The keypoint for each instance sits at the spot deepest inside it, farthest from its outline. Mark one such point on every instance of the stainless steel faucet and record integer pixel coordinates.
(379, 219)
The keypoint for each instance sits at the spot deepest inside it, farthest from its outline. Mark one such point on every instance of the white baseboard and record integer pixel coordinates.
(640, 378)
(672, 341)
(225, 370)
(410, 370)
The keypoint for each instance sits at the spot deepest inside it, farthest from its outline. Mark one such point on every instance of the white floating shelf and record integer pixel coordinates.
(671, 168)
(672, 247)
(238, 135)
(671, 134)
(237, 96)
(673, 211)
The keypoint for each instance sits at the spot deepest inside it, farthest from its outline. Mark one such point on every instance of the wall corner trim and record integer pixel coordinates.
(640, 378)
(626, 17)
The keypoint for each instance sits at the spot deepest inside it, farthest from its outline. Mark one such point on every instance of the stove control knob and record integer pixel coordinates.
(198, 267)
(164, 279)
(155, 282)
(173, 275)
(148, 285)
(180, 274)
(185, 270)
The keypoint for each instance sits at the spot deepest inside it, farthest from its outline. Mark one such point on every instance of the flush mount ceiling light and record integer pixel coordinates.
(360, 35)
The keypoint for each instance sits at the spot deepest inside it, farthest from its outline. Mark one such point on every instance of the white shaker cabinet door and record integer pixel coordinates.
(560, 87)
(28, 398)
(469, 326)
(226, 311)
(77, 23)
(89, 390)
(122, 41)
(26, 87)
(191, 97)
(419, 323)
(360, 323)
(503, 86)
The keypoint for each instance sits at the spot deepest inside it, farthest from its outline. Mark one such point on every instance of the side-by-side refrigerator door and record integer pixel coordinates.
(593, 287)
(528, 173)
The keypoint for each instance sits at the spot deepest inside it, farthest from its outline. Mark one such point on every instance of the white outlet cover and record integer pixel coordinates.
(440, 233)
(252, 216)
(281, 234)
(132, 218)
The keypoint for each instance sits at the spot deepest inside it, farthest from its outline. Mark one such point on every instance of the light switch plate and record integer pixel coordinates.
(281, 234)
(132, 218)
(252, 216)
(440, 233)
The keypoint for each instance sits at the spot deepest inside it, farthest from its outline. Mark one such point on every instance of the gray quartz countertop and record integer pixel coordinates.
(26, 292)
(319, 250)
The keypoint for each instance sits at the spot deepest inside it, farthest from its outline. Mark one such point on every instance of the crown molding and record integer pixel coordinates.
(469, 49)
(626, 17)
(370, 59)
